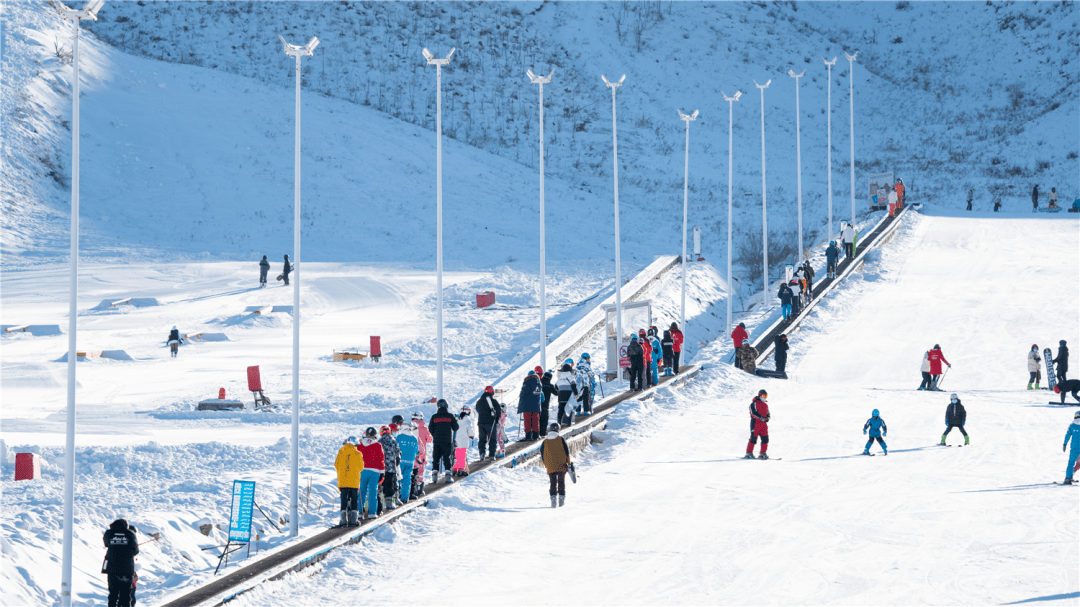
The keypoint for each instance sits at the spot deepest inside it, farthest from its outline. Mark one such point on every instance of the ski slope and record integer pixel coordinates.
(666, 512)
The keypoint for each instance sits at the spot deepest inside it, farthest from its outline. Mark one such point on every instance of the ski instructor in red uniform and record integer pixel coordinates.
(759, 425)
(936, 358)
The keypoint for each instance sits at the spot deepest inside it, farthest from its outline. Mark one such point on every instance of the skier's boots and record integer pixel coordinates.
(562, 501)
(449, 478)
(763, 456)
(967, 440)
(1029, 386)
(434, 476)
(866, 452)
(942, 443)
(354, 518)
(344, 519)
(554, 502)
(1037, 386)
(749, 456)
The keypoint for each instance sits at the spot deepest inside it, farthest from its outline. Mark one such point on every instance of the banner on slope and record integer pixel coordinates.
(243, 499)
(880, 184)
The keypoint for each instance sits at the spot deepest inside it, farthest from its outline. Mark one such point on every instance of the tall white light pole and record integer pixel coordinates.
(438, 63)
(731, 103)
(89, 11)
(294, 493)
(542, 80)
(618, 268)
(829, 65)
(851, 94)
(685, 190)
(798, 154)
(764, 218)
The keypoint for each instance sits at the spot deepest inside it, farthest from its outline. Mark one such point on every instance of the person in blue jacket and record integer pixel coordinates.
(832, 254)
(1074, 435)
(658, 354)
(877, 429)
(785, 296)
(410, 447)
(955, 417)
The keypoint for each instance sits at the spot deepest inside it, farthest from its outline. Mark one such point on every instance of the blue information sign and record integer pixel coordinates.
(243, 498)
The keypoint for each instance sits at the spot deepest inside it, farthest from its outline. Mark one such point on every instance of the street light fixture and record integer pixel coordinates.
(851, 94)
(764, 218)
(89, 12)
(438, 63)
(294, 492)
(618, 268)
(731, 104)
(798, 154)
(829, 65)
(685, 188)
(542, 80)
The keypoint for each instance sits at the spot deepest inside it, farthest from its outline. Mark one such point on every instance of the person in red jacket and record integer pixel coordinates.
(646, 345)
(371, 476)
(759, 425)
(738, 336)
(676, 348)
(936, 358)
(899, 189)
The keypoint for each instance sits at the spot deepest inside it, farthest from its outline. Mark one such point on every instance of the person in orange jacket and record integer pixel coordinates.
(646, 345)
(899, 189)
(349, 463)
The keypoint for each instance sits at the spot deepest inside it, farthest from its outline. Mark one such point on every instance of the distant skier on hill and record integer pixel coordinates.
(1033, 360)
(808, 274)
(1062, 362)
(955, 417)
(264, 269)
(971, 194)
(285, 270)
(1035, 198)
(1072, 385)
(936, 358)
(759, 425)
(1074, 435)
(899, 189)
(174, 341)
(997, 201)
(832, 255)
(878, 430)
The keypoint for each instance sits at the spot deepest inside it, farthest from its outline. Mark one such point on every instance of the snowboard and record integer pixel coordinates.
(1060, 404)
(573, 473)
(1051, 377)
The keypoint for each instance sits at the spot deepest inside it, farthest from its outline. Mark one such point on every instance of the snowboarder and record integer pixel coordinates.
(1072, 385)
(1073, 434)
(847, 236)
(1035, 198)
(666, 345)
(556, 456)
(936, 358)
(748, 357)
(878, 431)
(349, 463)
(550, 393)
(529, 399)
(955, 417)
(391, 465)
(122, 547)
(567, 384)
(423, 439)
(372, 452)
(780, 355)
(442, 426)
(738, 336)
(832, 255)
(584, 381)
(925, 369)
(1033, 360)
(409, 446)
(264, 269)
(285, 271)
(174, 341)
(785, 296)
(637, 366)
(971, 194)
(759, 425)
(676, 347)
(646, 346)
(488, 411)
(1062, 362)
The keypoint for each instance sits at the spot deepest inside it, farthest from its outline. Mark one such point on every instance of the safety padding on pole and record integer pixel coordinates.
(27, 466)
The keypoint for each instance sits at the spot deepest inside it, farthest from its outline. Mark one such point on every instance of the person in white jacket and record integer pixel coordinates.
(847, 236)
(567, 385)
(583, 377)
(926, 379)
(1033, 360)
(464, 436)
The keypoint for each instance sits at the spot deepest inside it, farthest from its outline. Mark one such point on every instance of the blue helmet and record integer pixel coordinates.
(585, 355)
(568, 361)
(875, 413)
(832, 242)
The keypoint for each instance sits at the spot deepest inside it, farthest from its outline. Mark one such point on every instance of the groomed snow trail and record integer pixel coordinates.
(666, 512)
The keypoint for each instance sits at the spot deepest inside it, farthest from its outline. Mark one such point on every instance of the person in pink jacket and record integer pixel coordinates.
(423, 437)
(936, 358)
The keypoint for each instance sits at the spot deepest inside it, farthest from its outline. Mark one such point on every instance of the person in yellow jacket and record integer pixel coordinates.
(556, 455)
(349, 464)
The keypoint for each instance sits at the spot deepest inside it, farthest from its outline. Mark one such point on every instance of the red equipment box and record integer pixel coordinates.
(27, 466)
(375, 349)
(254, 381)
(484, 300)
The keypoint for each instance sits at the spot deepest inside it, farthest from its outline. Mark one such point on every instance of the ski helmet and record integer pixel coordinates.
(1034, 346)
(489, 390)
(937, 347)
(371, 431)
(553, 427)
(1057, 389)
(1076, 415)
(746, 342)
(875, 413)
(762, 393)
(417, 415)
(351, 440)
(539, 370)
(832, 243)
(384, 430)
(585, 355)
(442, 403)
(174, 327)
(953, 396)
(397, 419)
(568, 361)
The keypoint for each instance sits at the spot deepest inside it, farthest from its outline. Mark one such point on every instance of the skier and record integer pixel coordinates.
(410, 447)
(808, 274)
(997, 201)
(550, 394)
(847, 236)
(584, 381)
(748, 357)
(738, 336)
(926, 379)
(637, 366)
(391, 465)
(1062, 362)
(488, 412)
(893, 199)
(936, 358)
(955, 417)
(780, 355)
(1035, 198)
(658, 356)
(349, 463)
(285, 271)
(556, 456)
(878, 430)
(568, 387)
(646, 346)
(832, 255)
(463, 437)
(785, 296)
(759, 425)
(796, 299)
(971, 194)
(423, 439)
(174, 341)
(1033, 361)
(529, 399)
(442, 426)
(264, 269)
(676, 347)
(122, 547)
(1073, 434)
(372, 452)
(665, 346)
(899, 187)
(1072, 385)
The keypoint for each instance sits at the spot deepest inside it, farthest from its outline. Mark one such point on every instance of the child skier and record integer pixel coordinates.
(409, 446)
(1074, 435)
(568, 387)
(442, 426)
(555, 454)
(666, 346)
(585, 381)
(877, 429)
(423, 439)
(549, 393)
(392, 463)
(349, 463)
(658, 355)
(759, 425)
(1033, 361)
(646, 346)
(463, 437)
(955, 417)
(374, 460)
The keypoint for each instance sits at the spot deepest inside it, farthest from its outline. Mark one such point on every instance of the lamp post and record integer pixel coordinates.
(542, 80)
(89, 11)
(294, 493)
(618, 268)
(438, 63)
(798, 154)
(685, 190)
(829, 65)
(764, 218)
(851, 94)
(731, 104)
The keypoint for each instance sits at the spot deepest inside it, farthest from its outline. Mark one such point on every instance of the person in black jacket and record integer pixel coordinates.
(1072, 385)
(955, 417)
(1062, 362)
(971, 194)
(442, 426)
(667, 346)
(832, 255)
(264, 269)
(285, 270)
(637, 364)
(781, 353)
(550, 394)
(174, 341)
(529, 400)
(785, 296)
(1035, 198)
(808, 272)
(488, 412)
(120, 562)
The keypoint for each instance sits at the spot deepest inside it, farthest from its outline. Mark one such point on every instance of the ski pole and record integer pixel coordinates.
(519, 426)
(942, 378)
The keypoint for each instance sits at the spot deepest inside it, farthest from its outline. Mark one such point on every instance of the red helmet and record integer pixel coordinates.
(539, 370)
(384, 430)
(1034, 346)
(1057, 389)
(489, 390)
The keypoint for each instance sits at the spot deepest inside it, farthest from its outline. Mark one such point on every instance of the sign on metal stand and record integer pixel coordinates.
(243, 500)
